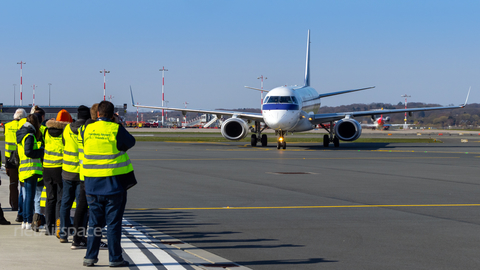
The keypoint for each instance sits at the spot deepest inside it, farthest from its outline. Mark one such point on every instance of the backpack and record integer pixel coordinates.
(14, 159)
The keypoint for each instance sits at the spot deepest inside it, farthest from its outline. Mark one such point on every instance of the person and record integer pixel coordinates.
(3, 220)
(30, 152)
(10, 130)
(52, 168)
(108, 174)
(38, 218)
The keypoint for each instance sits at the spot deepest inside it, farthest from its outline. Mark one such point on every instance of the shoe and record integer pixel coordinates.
(57, 229)
(120, 264)
(4, 222)
(19, 218)
(103, 245)
(89, 264)
(63, 240)
(28, 226)
(24, 224)
(81, 245)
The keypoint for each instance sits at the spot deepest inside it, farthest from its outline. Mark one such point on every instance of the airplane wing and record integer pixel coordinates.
(327, 117)
(219, 113)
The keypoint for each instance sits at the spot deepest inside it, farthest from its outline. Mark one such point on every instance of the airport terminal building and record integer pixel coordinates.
(7, 111)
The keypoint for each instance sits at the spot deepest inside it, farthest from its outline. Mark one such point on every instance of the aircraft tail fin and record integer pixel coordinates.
(131, 93)
(307, 65)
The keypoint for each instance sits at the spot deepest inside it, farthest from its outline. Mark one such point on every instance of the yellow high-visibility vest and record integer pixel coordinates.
(53, 151)
(101, 156)
(28, 166)
(11, 137)
(71, 162)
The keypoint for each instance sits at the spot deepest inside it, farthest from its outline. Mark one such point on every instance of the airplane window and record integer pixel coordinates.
(294, 99)
(273, 99)
(266, 100)
(285, 100)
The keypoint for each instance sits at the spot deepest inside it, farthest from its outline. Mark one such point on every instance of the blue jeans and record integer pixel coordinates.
(38, 195)
(30, 185)
(71, 190)
(20, 201)
(105, 210)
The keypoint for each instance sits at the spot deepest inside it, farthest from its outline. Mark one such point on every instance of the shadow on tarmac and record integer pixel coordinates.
(173, 224)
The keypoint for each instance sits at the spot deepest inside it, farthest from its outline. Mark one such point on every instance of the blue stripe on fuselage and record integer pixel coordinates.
(275, 106)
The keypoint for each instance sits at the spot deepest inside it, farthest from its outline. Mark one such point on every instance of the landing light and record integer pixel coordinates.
(310, 119)
(280, 139)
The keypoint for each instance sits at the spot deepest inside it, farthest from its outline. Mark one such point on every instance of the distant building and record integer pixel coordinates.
(6, 112)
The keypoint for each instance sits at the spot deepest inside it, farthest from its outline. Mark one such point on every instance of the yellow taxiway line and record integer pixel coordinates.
(309, 207)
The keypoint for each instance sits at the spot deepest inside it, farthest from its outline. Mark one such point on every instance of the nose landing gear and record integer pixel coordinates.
(281, 144)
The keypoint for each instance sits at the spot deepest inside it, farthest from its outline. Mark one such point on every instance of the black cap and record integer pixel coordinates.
(83, 112)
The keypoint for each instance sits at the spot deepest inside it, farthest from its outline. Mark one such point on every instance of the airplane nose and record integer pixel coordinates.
(280, 119)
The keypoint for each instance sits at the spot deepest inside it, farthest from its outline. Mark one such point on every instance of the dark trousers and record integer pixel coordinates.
(105, 210)
(13, 174)
(71, 190)
(52, 177)
(80, 219)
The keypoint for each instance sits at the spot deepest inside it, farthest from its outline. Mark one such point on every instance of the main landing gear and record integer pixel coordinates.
(328, 138)
(258, 136)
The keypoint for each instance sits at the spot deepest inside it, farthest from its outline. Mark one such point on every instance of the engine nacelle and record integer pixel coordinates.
(234, 129)
(348, 129)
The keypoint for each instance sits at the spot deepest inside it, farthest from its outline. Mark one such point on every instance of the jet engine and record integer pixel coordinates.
(348, 129)
(234, 129)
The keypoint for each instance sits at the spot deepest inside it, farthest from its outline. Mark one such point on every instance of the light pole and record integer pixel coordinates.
(405, 96)
(261, 77)
(14, 94)
(104, 72)
(185, 116)
(21, 81)
(163, 92)
(49, 84)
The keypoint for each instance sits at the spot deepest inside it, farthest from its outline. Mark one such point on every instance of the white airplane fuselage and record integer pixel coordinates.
(287, 108)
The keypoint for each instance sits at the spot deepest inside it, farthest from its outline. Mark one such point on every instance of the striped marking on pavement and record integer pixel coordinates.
(144, 245)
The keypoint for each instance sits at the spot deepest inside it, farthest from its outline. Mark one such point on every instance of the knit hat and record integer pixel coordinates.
(19, 114)
(64, 116)
(83, 112)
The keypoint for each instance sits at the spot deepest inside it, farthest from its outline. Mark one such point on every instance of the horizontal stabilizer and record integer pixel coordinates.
(258, 89)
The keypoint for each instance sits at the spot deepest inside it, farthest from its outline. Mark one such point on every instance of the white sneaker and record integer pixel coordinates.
(28, 226)
(24, 224)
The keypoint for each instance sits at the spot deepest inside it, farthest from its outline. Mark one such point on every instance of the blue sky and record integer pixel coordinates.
(212, 49)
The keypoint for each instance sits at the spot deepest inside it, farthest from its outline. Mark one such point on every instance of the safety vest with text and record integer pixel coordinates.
(11, 137)
(101, 156)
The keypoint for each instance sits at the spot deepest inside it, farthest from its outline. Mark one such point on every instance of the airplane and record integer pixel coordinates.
(383, 123)
(295, 109)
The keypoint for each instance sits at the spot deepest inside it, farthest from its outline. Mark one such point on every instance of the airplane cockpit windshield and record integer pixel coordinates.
(281, 99)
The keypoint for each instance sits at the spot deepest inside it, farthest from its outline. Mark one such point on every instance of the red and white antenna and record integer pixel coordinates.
(33, 95)
(261, 77)
(163, 93)
(104, 72)
(137, 115)
(21, 82)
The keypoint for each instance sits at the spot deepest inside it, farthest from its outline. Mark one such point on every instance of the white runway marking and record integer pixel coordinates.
(135, 253)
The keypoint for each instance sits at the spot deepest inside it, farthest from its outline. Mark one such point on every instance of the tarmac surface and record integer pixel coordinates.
(359, 206)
